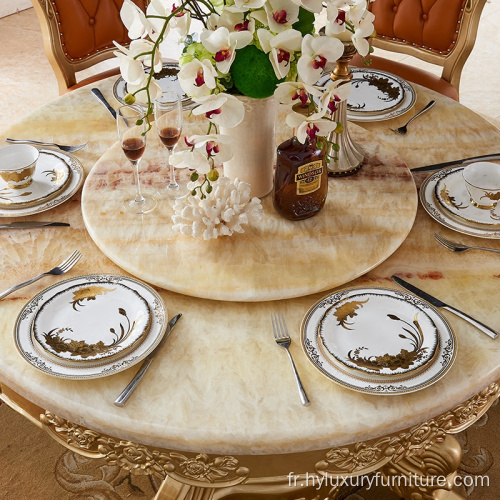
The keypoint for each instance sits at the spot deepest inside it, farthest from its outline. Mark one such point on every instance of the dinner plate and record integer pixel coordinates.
(356, 98)
(377, 334)
(50, 161)
(167, 79)
(451, 193)
(401, 304)
(457, 217)
(91, 322)
(48, 179)
(46, 363)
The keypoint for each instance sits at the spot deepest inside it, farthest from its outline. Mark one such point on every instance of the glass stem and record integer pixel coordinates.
(173, 182)
(138, 197)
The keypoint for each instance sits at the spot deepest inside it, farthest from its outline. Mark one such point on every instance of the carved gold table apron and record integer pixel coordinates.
(218, 413)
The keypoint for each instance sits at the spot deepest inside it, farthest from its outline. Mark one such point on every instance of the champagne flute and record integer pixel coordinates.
(168, 120)
(132, 126)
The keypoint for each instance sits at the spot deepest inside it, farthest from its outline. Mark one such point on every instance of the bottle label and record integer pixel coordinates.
(308, 177)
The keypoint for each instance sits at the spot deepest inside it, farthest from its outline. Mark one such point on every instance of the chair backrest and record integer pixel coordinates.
(79, 33)
(441, 32)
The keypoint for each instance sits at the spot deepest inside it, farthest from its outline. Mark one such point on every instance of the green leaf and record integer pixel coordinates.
(305, 24)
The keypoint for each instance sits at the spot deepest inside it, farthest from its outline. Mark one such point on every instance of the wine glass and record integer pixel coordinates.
(168, 120)
(132, 126)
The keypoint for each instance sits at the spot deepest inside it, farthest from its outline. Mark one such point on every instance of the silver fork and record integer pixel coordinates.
(282, 338)
(68, 149)
(459, 247)
(403, 129)
(62, 268)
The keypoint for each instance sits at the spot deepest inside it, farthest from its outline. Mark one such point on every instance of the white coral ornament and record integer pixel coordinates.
(222, 213)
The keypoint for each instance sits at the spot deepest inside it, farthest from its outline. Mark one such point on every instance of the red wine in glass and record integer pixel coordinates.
(133, 148)
(169, 136)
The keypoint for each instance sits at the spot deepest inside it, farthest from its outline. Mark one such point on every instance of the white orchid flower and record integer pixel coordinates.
(233, 20)
(280, 48)
(155, 91)
(131, 60)
(315, 6)
(131, 69)
(279, 15)
(361, 32)
(223, 44)
(309, 126)
(194, 160)
(134, 19)
(223, 110)
(316, 52)
(181, 22)
(335, 92)
(218, 147)
(249, 4)
(292, 93)
(197, 78)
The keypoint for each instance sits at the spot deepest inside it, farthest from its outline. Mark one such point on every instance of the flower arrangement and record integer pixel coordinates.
(255, 48)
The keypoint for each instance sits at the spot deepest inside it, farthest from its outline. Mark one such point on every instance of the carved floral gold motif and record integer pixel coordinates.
(450, 200)
(56, 175)
(88, 293)
(347, 310)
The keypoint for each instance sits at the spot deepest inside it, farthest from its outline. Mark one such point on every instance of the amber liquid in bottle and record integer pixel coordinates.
(300, 181)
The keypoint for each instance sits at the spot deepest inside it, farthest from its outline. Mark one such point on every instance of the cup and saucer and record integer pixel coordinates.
(33, 180)
(465, 198)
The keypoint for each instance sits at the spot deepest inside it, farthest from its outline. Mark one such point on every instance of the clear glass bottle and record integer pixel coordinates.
(300, 179)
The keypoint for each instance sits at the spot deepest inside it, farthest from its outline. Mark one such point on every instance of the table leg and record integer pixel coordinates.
(429, 475)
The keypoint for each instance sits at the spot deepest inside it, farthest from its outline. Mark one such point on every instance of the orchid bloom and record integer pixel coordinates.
(315, 6)
(217, 147)
(131, 60)
(309, 126)
(181, 22)
(249, 4)
(335, 92)
(362, 31)
(197, 78)
(292, 93)
(134, 20)
(155, 91)
(223, 110)
(279, 15)
(194, 160)
(280, 48)
(223, 44)
(316, 52)
(233, 20)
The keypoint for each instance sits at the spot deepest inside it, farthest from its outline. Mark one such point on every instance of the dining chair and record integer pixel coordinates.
(78, 34)
(441, 32)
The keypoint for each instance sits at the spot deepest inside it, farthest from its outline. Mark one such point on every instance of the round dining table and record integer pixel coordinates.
(218, 414)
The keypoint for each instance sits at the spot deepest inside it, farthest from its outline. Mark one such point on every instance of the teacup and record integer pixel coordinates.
(482, 180)
(17, 165)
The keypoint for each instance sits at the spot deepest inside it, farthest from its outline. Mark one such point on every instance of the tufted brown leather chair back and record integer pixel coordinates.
(78, 34)
(440, 32)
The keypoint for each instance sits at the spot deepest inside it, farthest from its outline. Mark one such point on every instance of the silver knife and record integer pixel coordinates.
(127, 392)
(103, 100)
(463, 161)
(438, 303)
(31, 224)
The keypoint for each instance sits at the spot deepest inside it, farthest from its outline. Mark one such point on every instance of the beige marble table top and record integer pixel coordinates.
(220, 383)
(364, 220)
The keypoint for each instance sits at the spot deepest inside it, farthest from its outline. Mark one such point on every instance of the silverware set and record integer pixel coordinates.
(67, 149)
(62, 268)
(460, 247)
(404, 128)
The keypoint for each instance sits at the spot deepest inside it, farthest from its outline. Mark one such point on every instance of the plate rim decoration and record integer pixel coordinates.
(386, 386)
(37, 201)
(23, 339)
(433, 208)
(120, 85)
(71, 187)
(354, 364)
(113, 352)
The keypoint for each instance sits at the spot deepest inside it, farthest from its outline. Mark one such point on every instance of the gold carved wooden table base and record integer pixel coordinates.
(418, 464)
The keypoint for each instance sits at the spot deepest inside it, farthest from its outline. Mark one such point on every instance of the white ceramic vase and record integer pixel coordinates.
(254, 146)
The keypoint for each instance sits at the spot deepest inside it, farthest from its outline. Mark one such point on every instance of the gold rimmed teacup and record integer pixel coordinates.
(17, 165)
(482, 180)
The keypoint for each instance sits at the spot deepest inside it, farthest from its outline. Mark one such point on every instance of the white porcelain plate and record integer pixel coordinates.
(51, 165)
(452, 210)
(91, 322)
(365, 94)
(167, 79)
(49, 178)
(48, 364)
(368, 308)
(451, 193)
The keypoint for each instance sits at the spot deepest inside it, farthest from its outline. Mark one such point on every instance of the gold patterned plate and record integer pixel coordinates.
(451, 193)
(167, 79)
(50, 165)
(49, 178)
(89, 323)
(448, 204)
(49, 364)
(353, 337)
